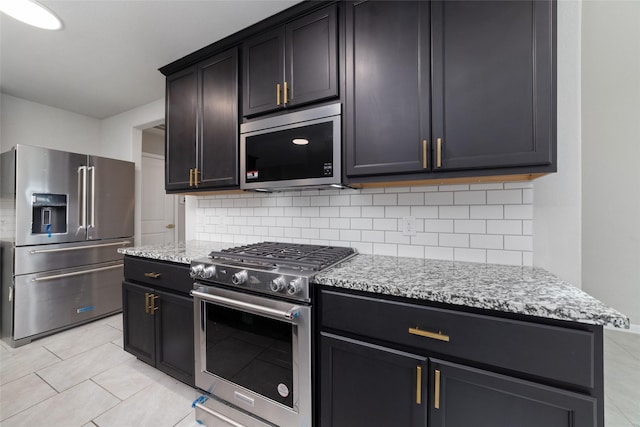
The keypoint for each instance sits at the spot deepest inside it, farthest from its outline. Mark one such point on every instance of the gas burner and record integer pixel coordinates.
(279, 269)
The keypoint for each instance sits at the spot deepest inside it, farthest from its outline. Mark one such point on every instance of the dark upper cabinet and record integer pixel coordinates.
(202, 125)
(388, 93)
(463, 396)
(292, 64)
(493, 83)
(449, 86)
(368, 385)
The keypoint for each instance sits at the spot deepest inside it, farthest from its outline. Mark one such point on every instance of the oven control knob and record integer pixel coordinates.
(294, 286)
(277, 284)
(208, 272)
(240, 277)
(196, 271)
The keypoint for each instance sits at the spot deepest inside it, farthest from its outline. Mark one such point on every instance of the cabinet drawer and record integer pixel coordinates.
(158, 274)
(552, 352)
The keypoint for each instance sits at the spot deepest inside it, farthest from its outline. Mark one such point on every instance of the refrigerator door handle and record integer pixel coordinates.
(76, 273)
(92, 224)
(82, 170)
(79, 248)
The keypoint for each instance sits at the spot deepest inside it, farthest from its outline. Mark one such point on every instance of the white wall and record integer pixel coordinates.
(557, 230)
(26, 122)
(611, 153)
(122, 139)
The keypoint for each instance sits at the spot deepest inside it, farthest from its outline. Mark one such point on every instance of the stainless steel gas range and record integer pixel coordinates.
(253, 309)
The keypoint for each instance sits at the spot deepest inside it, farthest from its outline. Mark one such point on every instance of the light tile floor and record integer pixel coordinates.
(83, 378)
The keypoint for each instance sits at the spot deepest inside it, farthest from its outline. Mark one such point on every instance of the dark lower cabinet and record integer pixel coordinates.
(367, 385)
(158, 318)
(463, 396)
(390, 362)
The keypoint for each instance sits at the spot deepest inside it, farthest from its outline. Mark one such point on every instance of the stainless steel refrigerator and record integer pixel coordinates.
(65, 216)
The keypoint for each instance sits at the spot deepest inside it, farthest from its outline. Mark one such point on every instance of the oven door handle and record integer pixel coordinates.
(289, 315)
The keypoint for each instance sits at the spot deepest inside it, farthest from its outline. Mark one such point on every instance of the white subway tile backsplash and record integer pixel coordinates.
(471, 226)
(470, 197)
(484, 222)
(469, 255)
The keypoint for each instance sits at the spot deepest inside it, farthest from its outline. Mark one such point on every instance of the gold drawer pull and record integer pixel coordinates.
(436, 394)
(419, 385)
(152, 275)
(435, 335)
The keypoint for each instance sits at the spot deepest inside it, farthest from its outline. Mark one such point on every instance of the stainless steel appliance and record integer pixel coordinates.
(253, 325)
(68, 213)
(294, 150)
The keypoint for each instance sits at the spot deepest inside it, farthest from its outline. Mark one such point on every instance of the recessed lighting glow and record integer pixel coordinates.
(32, 13)
(300, 141)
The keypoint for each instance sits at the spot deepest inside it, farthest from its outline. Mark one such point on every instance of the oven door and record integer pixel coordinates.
(254, 353)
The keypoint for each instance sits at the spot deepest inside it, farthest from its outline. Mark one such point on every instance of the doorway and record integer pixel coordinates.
(162, 215)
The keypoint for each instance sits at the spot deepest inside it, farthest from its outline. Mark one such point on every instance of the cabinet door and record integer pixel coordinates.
(181, 122)
(493, 83)
(263, 72)
(311, 70)
(138, 325)
(367, 385)
(464, 396)
(218, 134)
(174, 336)
(388, 95)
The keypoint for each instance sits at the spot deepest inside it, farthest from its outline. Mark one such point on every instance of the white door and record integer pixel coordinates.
(158, 223)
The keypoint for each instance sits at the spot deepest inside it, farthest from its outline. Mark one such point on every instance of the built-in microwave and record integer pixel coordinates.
(297, 150)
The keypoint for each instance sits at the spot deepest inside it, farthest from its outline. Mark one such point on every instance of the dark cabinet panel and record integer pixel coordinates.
(181, 122)
(138, 326)
(449, 86)
(218, 150)
(293, 64)
(202, 125)
(464, 396)
(388, 93)
(367, 385)
(174, 336)
(158, 318)
(263, 72)
(493, 91)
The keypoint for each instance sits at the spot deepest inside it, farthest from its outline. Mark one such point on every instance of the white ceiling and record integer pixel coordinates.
(105, 60)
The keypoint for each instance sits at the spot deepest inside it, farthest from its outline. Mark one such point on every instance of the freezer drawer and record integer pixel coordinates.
(57, 299)
(35, 259)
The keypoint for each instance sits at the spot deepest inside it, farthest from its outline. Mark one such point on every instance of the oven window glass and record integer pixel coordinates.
(298, 153)
(252, 351)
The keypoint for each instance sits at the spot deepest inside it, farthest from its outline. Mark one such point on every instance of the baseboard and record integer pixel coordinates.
(633, 329)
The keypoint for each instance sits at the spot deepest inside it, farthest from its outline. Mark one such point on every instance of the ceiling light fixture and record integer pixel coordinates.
(300, 141)
(31, 12)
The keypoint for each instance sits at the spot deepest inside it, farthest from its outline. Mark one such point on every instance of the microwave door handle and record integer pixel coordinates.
(288, 315)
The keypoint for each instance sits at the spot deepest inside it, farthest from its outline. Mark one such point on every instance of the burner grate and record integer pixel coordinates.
(292, 255)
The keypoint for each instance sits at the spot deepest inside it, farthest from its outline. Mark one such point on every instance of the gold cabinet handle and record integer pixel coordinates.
(439, 153)
(285, 94)
(152, 275)
(190, 177)
(434, 335)
(153, 308)
(419, 385)
(278, 94)
(195, 177)
(436, 392)
(146, 302)
(424, 154)
(170, 226)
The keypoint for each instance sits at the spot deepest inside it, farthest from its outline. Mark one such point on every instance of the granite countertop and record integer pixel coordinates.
(524, 290)
(182, 252)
